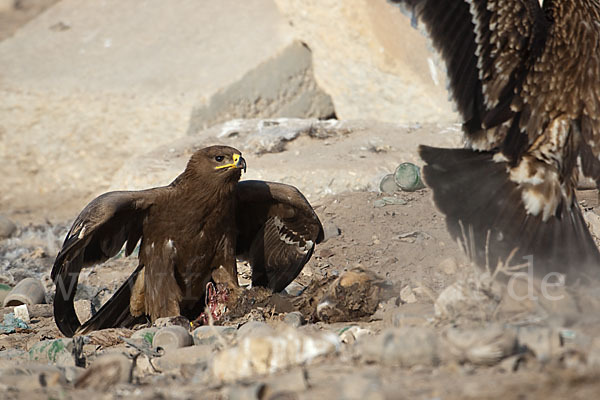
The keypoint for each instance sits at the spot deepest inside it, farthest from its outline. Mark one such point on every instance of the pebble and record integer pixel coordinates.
(172, 337)
(294, 319)
(404, 347)
(83, 309)
(212, 334)
(407, 295)
(486, 346)
(105, 372)
(294, 289)
(172, 321)
(350, 335)
(265, 354)
(330, 230)
(7, 227)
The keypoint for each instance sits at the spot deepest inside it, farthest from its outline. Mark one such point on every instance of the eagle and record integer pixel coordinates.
(525, 77)
(203, 220)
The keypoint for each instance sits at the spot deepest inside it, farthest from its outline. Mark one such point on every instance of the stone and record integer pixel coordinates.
(7, 227)
(294, 319)
(404, 347)
(294, 289)
(407, 295)
(360, 61)
(213, 334)
(172, 321)
(351, 334)
(83, 309)
(280, 87)
(593, 221)
(475, 298)
(330, 230)
(105, 372)
(485, 346)
(269, 353)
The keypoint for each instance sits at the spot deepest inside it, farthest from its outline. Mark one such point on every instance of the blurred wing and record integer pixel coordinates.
(277, 231)
(488, 47)
(97, 234)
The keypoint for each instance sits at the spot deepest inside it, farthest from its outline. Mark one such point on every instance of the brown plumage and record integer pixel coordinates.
(526, 81)
(201, 221)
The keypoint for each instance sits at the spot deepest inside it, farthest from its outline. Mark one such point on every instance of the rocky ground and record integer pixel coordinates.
(388, 306)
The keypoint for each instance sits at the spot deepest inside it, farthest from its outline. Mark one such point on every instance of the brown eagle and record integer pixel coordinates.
(201, 221)
(526, 80)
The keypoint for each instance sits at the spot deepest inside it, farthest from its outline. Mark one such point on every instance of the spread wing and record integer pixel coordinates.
(488, 47)
(277, 231)
(98, 233)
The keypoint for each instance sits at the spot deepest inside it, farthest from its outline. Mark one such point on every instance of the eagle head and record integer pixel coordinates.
(217, 163)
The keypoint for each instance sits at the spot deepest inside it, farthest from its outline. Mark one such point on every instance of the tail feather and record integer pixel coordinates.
(485, 211)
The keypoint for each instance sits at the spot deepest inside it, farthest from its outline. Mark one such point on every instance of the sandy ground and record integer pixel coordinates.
(405, 245)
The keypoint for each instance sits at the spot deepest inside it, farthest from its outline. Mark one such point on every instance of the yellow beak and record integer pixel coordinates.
(238, 162)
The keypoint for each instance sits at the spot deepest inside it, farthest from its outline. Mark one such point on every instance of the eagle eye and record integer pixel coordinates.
(219, 158)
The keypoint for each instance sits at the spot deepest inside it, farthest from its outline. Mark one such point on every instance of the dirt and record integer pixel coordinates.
(396, 246)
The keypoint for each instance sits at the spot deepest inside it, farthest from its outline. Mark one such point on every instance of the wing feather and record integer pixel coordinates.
(488, 46)
(277, 231)
(98, 233)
